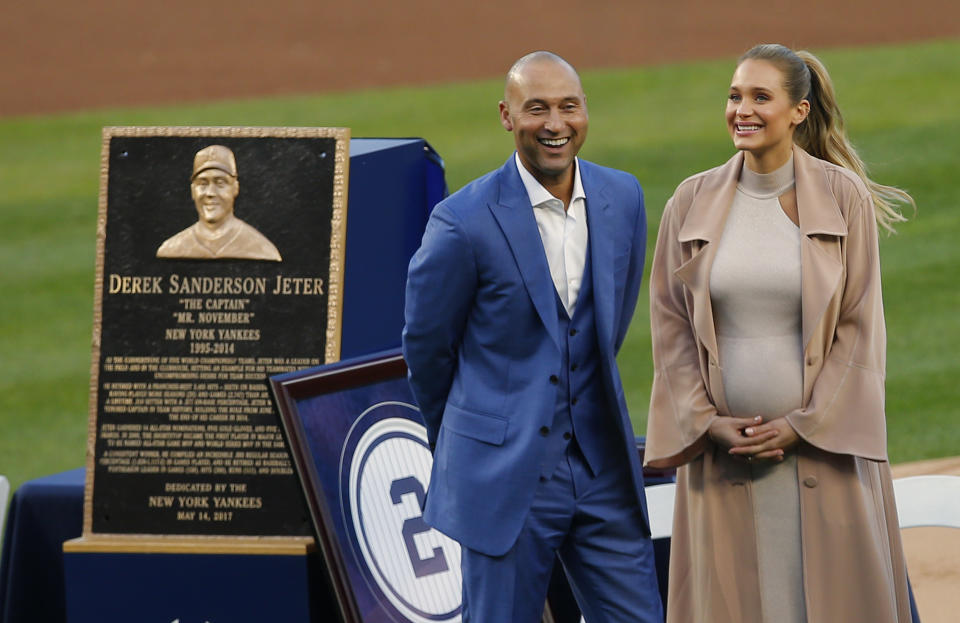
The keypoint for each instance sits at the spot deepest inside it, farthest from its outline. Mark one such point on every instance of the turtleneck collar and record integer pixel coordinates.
(767, 185)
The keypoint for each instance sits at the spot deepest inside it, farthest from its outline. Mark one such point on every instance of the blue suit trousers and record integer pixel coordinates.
(594, 525)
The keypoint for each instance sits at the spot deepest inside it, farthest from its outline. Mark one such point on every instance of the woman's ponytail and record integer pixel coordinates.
(823, 134)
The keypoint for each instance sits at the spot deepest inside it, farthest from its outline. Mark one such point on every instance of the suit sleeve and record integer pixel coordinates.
(638, 248)
(680, 408)
(441, 285)
(845, 413)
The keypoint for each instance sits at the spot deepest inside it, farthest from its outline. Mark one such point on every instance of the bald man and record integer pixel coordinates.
(517, 303)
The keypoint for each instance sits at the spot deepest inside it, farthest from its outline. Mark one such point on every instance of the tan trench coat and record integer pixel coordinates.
(853, 564)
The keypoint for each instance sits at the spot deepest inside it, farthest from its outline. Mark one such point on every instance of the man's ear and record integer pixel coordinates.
(505, 117)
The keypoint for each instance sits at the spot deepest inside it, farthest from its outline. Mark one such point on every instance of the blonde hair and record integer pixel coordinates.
(823, 134)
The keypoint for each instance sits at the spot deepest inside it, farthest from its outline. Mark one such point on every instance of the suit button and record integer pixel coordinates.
(573, 332)
(554, 379)
(811, 360)
(573, 368)
(810, 482)
(567, 436)
(544, 431)
(574, 400)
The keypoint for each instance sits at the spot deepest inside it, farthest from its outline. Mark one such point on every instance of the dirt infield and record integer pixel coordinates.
(61, 56)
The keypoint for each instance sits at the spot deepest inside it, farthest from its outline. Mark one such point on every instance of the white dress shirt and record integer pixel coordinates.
(563, 232)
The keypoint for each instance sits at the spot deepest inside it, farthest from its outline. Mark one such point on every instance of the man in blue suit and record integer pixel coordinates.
(517, 303)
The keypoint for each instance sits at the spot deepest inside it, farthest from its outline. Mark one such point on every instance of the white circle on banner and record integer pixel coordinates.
(416, 567)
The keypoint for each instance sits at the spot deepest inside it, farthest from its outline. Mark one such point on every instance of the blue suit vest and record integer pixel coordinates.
(581, 413)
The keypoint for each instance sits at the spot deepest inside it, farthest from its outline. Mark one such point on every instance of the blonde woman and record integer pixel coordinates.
(769, 354)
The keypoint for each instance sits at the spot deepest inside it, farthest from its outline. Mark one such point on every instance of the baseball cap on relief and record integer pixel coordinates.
(214, 157)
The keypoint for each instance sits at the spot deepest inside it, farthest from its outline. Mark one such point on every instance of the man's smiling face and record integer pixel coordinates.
(546, 110)
(214, 192)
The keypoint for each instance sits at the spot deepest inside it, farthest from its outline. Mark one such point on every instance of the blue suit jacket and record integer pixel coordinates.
(481, 342)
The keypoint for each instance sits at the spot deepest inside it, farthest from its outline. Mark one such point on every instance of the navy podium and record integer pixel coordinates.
(394, 184)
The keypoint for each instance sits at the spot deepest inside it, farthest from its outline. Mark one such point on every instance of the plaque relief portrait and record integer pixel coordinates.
(218, 232)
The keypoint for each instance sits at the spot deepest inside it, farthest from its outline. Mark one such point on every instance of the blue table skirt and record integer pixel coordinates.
(43, 514)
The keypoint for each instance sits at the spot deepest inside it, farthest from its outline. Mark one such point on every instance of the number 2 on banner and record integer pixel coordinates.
(437, 563)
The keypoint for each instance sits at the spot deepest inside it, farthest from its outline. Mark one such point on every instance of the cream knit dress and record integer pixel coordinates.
(755, 294)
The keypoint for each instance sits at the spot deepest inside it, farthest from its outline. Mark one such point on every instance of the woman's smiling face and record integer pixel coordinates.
(760, 116)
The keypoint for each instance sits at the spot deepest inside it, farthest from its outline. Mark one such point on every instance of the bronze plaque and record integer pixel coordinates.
(219, 263)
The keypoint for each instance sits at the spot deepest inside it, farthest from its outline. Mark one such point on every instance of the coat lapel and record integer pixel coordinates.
(704, 223)
(821, 222)
(514, 214)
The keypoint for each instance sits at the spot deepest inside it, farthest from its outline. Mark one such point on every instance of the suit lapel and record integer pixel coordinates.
(601, 235)
(514, 214)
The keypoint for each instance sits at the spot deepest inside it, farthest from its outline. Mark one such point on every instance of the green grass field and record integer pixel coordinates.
(662, 124)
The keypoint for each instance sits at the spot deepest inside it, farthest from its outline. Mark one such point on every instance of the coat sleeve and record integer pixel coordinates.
(680, 409)
(441, 285)
(845, 413)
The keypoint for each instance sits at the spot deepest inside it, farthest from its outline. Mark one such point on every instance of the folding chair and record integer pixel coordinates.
(928, 501)
(4, 499)
(660, 509)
